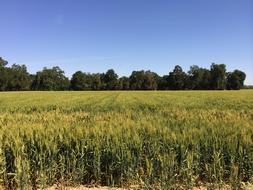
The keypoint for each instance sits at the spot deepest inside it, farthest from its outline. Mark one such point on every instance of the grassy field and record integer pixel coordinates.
(156, 139)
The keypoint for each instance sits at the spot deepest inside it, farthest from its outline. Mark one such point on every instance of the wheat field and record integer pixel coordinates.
(159, 139)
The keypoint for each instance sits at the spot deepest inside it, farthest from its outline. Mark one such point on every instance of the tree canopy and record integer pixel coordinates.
(16, 77)
(50, 79)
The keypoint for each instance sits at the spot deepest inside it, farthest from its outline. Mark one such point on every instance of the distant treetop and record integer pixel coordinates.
(16, 77)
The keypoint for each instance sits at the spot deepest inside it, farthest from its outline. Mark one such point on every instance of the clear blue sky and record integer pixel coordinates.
(127, 35)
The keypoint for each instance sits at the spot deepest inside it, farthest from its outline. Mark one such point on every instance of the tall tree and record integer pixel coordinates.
(3, 78)
(205, 83)
(16, 77)
(123, 83)
(77, 81)
(50, 79)
(95, 81)
(199, 78)
(162, 82)
(150, 81)
(218, 76)
(143, 80)
(3, 74)
(110, 80)
(19, 78)
(3, 62)
(136, 80)
(235, 80)
(177, 79)
(81, 81)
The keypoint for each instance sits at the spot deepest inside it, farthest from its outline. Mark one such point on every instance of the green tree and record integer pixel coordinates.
(162, 82)
(3, 62)
(3, 78)
(235, 80)
(3, 74)
(143, 80)
(218, 76)
(18, 78)
(76, 82)
(177, 79)
(136, 80)
(123, 83)
(85, 81)
(81, 81)
(110, 80)
(95, 81)
(150, 81)
(199, 78)
(15, 77)
(205, 83)
(50, 79)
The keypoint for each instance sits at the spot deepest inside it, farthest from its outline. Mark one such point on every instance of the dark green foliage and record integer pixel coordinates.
(85, 81)
(177, 80)
(16, 77)
(150, 80)
(235, 80)
(199, 78)
(247, 87)
(218, 76)
(10, 168)
(95, 81)
(162, 82)
(205, 83)
(3, 62)
(19, 78)
(136, 80)
(77, 81)
(110, 80)
(143, 80)
(3, 78)
(80, 81)
(123, 83)
(50, 79)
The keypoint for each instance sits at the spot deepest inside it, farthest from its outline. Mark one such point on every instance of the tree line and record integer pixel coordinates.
(16, 77)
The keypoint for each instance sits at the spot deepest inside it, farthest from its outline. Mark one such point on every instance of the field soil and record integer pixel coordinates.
(225, 187)
(84, 188)
(109, 188)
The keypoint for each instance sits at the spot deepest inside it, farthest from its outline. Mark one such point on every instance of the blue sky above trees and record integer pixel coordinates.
(127, 35)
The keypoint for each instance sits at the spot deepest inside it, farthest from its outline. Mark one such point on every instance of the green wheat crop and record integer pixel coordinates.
(159, 139)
